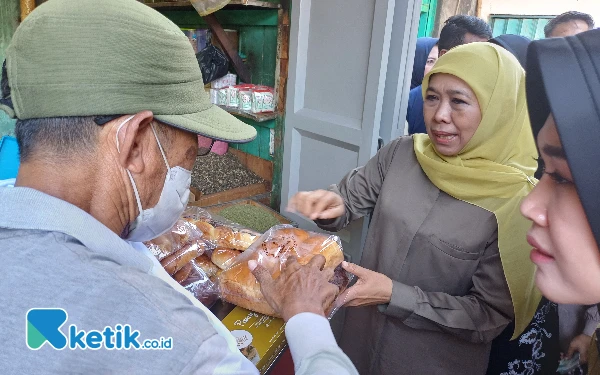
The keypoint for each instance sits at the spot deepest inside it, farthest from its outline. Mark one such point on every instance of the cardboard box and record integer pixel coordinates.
(260, 338)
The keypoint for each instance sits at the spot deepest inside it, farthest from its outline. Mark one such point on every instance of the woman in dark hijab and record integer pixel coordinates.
(426, 56)
(515, 44)
(424, 47)
(563, 92)
(536, 351)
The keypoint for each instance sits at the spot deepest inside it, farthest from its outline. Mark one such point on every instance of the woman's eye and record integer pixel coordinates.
(458, 101)
(430, 62)
(430, 97)
(556, 177)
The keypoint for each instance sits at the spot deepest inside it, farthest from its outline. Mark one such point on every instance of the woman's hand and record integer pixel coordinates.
(372, 288)
(580, 344)
(318, 204)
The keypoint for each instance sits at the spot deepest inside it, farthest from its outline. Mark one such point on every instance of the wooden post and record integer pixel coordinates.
(27, 6)
(230, 50)
(281, 76)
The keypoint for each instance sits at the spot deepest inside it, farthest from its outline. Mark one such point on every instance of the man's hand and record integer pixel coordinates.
(298, 288)
(372, 288)
(318, 204)
(580, 344)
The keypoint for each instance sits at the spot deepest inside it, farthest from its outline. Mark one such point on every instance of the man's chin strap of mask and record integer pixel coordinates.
(155, 221)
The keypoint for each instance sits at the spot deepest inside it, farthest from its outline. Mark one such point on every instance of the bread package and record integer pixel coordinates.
(161, 246)
(224, 258)
(225, 236)
(210, 269)
(200, 285)
(271, 250)
(220, 231)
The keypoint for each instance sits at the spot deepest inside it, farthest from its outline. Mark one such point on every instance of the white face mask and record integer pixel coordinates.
(155, 221)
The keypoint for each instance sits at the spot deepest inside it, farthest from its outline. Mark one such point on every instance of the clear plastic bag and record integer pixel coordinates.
(181, 252)
(219, 231)
(272, 250)
(178, 247)
(225, 236)
(201, 286)
(161, 246)
(176, 261)
(192, 213)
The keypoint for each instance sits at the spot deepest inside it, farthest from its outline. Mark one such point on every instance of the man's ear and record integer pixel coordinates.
(442, 52)
(131, 140)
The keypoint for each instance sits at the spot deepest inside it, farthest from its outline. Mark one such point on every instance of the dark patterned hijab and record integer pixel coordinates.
(563, 78)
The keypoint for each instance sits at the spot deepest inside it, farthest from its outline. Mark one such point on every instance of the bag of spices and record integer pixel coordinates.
(232, 97)
(245, 99)
(257, 101)
(268, 101)
(214, 96)
(223, 96)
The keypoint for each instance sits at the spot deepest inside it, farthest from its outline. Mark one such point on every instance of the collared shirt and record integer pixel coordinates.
(56, 256)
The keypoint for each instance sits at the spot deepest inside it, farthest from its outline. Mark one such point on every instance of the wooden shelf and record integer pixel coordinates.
(239, 4)
(230, 195)
(258, 117)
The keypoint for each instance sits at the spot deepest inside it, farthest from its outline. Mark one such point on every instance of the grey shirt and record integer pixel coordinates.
(58, 256)
(449, 298)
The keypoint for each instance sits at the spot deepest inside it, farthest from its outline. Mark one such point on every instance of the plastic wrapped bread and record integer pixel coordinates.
(271, 250)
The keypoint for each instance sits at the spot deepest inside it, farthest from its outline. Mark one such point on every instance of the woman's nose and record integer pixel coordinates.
(534, 206)
(443, 113)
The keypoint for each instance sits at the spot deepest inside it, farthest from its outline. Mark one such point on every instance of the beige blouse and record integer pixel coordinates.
(450, 298)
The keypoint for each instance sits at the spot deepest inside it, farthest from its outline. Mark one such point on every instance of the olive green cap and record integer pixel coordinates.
(111, 57)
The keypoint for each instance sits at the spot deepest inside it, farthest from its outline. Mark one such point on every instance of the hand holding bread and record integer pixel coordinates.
(298, 288)
(272, 252)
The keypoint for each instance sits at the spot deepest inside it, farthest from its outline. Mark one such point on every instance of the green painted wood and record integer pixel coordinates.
(513, 26)
(257, 31)
(427, 18)
(280, 120)
(422, 25)
(539, 32)
(9, 16)
(259, 146)
(259, 44)
(431, 13)
(270, 124)
(227, 18)
(278, 163)
(498, 26)
(530, 27)
(269, 56)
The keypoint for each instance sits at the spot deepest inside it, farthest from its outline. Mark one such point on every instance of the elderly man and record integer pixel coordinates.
(568, 24)
(109, 100)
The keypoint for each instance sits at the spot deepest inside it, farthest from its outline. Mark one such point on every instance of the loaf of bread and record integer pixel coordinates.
(182, 275)
(224, 258)
(209, 268)
(176, 261)
(239, 286)
(161, 246)
(225, 236)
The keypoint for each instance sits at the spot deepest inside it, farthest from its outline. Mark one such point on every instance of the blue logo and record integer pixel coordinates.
(44, 325)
